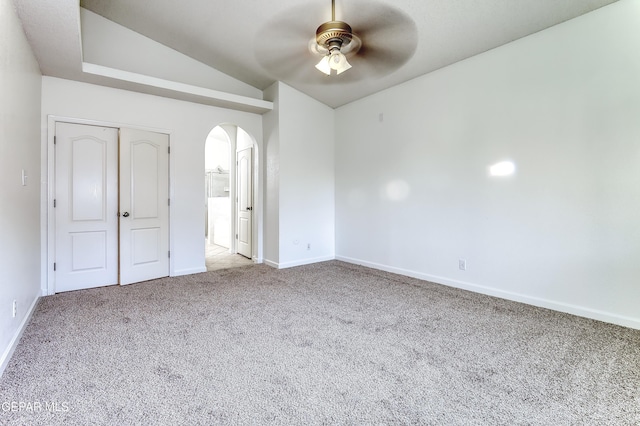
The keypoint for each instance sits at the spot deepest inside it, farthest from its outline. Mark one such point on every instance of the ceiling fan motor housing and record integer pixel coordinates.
(334, 34)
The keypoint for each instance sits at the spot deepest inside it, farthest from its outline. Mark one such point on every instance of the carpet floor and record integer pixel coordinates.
(329, 343)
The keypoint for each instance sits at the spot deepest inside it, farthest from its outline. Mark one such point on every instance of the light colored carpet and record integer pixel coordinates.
(329, 343)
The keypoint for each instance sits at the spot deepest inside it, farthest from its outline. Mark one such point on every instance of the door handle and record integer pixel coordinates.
(125, 214)
(249, 208)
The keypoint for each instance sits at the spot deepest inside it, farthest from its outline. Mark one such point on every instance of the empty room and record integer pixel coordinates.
(320, 212)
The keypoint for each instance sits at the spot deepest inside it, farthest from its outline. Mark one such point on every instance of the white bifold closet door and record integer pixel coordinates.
(111, 206)
(144, 205)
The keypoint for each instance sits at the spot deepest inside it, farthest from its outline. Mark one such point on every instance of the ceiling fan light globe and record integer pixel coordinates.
(324, 66)
(345, 65)
(334, 61)
(338, 61)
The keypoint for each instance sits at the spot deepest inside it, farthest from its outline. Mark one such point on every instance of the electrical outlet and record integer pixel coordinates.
(15, 308)
(462, 264)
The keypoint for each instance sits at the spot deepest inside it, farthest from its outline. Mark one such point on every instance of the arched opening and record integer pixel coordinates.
(229, 213)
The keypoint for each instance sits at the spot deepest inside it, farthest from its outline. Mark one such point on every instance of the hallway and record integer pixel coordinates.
(218, 257)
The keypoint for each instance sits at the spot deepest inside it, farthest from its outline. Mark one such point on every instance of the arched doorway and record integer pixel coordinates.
(225, 225)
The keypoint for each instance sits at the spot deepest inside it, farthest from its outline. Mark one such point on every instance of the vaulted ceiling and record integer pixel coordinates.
(256, 43)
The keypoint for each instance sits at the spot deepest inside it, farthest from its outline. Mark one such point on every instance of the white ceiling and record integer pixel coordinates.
(260, 42)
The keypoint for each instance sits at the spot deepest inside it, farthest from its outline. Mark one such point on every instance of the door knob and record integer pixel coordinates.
(249, 208)
(125, 214)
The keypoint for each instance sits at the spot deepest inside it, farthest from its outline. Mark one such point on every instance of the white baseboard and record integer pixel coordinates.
(189, 271)
(6, 356)
(301, 262)
(271, 263)
(516, 297)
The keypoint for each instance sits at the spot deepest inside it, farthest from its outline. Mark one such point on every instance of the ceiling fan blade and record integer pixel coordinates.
(281, 46)
(388, 35)
(389, 38)
(380, 60)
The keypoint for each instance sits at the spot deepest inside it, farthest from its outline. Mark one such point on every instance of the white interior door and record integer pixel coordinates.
(245, 200)
(86, 206)
(144, 205)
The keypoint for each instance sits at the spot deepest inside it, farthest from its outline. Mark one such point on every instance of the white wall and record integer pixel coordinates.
(414, 196)
(188, 124)
(271, 177)
(307, 179)
(300, 169)
(19, 205)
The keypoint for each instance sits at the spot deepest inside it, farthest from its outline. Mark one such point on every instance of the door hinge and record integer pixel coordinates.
(54, 203)
(236, 236)
(169, 253)
(54, 140)
(168, 150)
(169, 201)
(54, 266)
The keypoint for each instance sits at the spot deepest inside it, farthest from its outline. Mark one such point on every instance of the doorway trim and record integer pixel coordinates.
(48, 233)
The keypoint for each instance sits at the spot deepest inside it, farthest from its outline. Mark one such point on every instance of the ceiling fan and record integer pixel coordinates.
(378, 39)
(334, 40)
